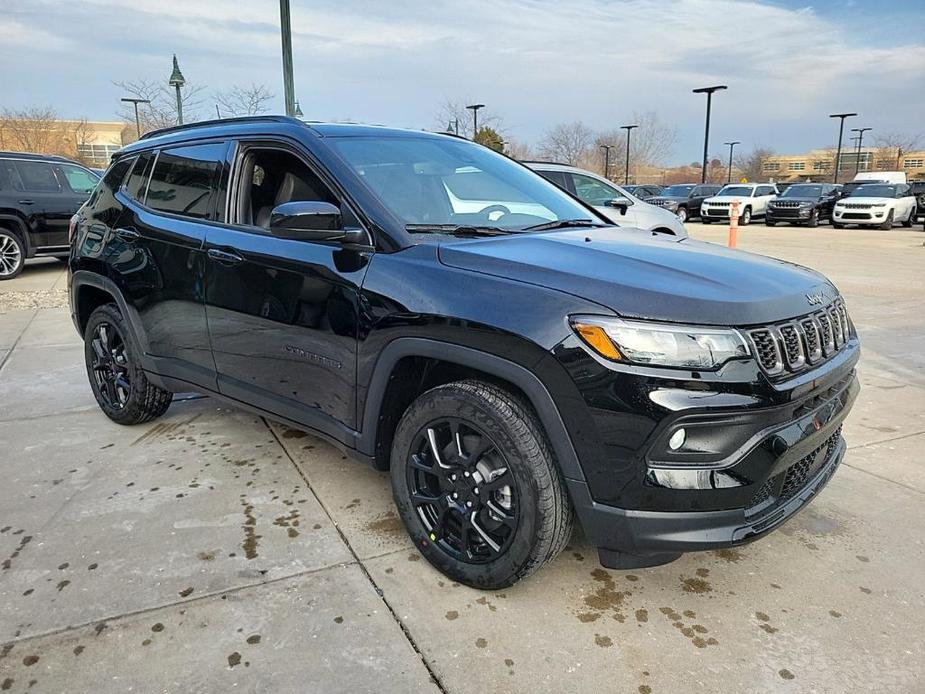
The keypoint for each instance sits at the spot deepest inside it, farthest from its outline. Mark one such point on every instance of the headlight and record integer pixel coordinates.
(878, 204)
(807, 205)
(659, 344)
(671, 205)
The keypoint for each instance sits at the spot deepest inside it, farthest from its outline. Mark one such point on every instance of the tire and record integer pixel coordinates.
(12, 254)
(836, 225)
(682, 214)
(910, 220)
(888, 222)
(769, 223)
(118, 382)
(813, 221)
(526, 513)
(746, 217)
(706, 221)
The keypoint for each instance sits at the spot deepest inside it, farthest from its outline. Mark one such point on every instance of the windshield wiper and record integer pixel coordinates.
(562, 223)
(456, 229)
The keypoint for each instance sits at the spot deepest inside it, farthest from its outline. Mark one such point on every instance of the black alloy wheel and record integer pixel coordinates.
(109, 365)
(462, 490)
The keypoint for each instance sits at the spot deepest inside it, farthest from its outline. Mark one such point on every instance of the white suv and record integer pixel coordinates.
(876, 204)
(615, 203)
(753, 199)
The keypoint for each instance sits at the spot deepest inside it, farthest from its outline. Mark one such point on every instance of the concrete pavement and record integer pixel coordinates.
(211, 550)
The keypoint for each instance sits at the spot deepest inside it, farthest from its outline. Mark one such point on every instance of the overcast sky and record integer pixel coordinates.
(534, 62)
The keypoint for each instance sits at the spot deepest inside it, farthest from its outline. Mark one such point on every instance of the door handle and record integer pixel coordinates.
(224, 257)
(26, 202)
(128, 235)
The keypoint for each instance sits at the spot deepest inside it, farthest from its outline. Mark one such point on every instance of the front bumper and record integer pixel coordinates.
(788, 214)
(870, 216)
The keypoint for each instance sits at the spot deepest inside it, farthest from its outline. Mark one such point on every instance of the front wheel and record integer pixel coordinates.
(682, 214)
(888, 222)
(813, 220)
(119, 383)
(476, 484)
(746, 217)
(12, 255)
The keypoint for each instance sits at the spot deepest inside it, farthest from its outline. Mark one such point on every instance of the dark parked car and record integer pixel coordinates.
(918, 190)
(38, 196)
(803, 203)
(685, 199)
(644, 192)
(513, 370)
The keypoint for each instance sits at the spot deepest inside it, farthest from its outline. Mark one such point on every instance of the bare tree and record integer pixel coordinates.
(651, 143)
(244, 100)
(751, 164)
(41, 131)
(569, 143)
(891, 146)
(520, 151)
(162, 111)
(454, 113)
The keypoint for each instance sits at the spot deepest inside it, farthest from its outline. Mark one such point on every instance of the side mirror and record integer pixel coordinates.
(620, 203)
(307, 220)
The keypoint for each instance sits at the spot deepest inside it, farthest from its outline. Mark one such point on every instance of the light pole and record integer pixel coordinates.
(860, 139)
(626, 170)
(841, 132)
(177, 81)
(706, 135)
(731, 146)
(135, 102)
(607, 149)
(285, 27)
(452, 126)
(475, 118)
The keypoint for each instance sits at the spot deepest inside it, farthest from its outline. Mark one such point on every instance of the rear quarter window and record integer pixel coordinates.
(185, 179)
(136, 185)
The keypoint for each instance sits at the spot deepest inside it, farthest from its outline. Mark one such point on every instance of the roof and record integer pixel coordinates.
(37, 157)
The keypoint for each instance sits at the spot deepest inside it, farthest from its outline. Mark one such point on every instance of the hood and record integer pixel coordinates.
(728, 198)
(638, 276)
(794, 198)
(863, 201)
(667, 198)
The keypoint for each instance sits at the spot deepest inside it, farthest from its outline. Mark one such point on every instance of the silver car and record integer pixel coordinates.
(615, 203)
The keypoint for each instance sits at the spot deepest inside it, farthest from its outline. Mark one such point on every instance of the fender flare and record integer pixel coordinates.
(23, 231)
(539, 397)
(85, 278)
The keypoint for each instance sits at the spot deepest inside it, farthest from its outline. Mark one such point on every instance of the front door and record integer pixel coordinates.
(283, 313)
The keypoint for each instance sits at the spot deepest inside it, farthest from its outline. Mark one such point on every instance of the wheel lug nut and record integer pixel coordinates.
(455, 495)
(453, 477)
(476, 490)
(468, 504)
(466, 474)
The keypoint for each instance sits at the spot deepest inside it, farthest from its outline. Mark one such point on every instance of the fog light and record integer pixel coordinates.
(677, 439)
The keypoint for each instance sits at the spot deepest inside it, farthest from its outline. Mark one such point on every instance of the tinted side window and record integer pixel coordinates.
(37, 176)
(184, 180)
(79, 180)
(136, 185)
(103, 206)
(557, 177)
(9, 176)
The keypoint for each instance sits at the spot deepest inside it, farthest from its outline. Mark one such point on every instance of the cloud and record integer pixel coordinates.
(535, 62)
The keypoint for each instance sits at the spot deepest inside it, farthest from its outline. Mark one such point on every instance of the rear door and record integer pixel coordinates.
(45, 202)
(284, 313)
(172, 197)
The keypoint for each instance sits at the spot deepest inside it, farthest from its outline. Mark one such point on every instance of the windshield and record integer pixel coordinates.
(677, 191)
(873, 191)
(736, 190)
(445, 182)
(802, 192)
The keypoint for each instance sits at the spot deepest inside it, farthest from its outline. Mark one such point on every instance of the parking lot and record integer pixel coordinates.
(211, 550)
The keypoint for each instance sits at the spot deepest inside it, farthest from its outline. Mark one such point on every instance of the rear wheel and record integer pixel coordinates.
(12, 254)
(475, 482)
(119, 383)
(911, 219)
(888, 222)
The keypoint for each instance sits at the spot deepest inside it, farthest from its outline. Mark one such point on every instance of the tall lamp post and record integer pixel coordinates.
(177, 81)
(475, 118)
(706, 135)
(731, 146)
(607, 149)
(860, 138)
(841, 132)
(626, 170)
(135, 102)
(285, 27)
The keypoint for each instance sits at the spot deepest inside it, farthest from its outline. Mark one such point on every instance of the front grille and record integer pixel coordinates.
(855, 215)
(802, 472)
(808, 340)
(763, 493)
(719, 204)
(856, 205)
(789, 213)
(785, 203)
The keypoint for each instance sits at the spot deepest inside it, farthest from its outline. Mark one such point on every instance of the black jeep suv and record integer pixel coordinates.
(685, 199)
(803, 203)
(437, 309)
(38, 196)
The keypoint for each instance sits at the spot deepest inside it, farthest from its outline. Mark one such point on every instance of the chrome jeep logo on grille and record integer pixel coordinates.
(815, 299)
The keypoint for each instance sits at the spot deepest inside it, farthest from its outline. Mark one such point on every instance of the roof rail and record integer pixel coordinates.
(545, 161)
(222, 121)
(33, 155)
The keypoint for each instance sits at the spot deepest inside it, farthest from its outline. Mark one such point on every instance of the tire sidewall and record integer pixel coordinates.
(12, 235)
(682, 214)
(746, 217)
(110, 314)
(435, 405)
